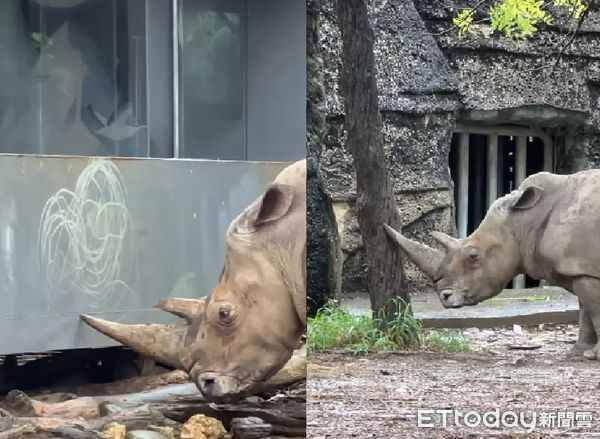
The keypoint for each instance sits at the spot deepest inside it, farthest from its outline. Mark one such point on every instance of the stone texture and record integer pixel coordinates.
(323, 247)
(413, 75)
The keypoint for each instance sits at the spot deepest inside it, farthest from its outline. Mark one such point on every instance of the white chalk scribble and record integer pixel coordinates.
(82, 236)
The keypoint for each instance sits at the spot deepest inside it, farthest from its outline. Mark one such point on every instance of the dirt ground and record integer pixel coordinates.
(523, 370)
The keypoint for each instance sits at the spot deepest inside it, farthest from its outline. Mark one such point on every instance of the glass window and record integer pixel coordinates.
(212, 90)
(74, 78)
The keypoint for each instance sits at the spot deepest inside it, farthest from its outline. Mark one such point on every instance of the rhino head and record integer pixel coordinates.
(478, 267)
(247, 328)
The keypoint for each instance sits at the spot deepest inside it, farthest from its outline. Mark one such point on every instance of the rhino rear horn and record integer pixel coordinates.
(160, 342)
(427, 259)
(447, 241)
(187, 309)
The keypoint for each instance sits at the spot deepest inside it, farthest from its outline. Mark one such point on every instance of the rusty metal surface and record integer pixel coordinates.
(109, 237)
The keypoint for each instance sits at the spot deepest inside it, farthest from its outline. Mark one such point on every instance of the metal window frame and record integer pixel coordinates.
(492, 133)
(176, 35)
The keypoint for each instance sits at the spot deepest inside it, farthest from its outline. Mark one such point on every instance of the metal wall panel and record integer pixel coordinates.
(109, 238)
(276, 79)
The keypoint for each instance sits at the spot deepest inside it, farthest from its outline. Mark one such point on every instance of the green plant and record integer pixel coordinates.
(447, 340)
(404, 329)
(40, 40)
(334, 328)
(518, 19)
(464, 21)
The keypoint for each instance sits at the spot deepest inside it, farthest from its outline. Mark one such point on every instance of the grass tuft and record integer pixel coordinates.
(334, 328)
(446, 340)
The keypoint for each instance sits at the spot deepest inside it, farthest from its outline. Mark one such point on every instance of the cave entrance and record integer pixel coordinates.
(489, 162)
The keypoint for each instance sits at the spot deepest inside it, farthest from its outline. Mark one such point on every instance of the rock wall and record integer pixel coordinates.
(323, 242)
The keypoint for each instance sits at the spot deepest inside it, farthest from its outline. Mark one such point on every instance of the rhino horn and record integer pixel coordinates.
(447, 241)
(427, 259)
(187, 309)
(160, 342)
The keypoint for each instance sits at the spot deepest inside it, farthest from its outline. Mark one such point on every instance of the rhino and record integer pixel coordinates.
(548, 228)
(248, 326)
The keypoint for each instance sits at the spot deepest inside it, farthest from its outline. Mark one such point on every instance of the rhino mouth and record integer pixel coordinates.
(458, 299)
(221, 388)
(455, 299)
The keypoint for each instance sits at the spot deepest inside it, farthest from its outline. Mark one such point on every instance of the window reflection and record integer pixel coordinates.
(74, 78)
(212, 119)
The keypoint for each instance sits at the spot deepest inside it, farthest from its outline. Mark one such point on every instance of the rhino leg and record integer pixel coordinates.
(587, 338)
(587, 290)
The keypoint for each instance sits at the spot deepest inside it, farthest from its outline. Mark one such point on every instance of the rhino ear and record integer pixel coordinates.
(527, 198)
(271, 206)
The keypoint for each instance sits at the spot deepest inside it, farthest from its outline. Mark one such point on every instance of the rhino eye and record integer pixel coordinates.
(226, 314)
(473, 255)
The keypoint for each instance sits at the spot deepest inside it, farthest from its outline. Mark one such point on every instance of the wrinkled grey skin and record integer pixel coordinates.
(251, 322)
(549, 228)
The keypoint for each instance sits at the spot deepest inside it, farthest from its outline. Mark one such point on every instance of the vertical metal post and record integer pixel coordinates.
(548, 155)
(521, 169)
(492, 169)
(521, 160)
(176, 30)
(548, 167)
(463, 184)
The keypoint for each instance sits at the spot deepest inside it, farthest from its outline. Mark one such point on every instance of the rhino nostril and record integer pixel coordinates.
(207, 382)
(446, 295)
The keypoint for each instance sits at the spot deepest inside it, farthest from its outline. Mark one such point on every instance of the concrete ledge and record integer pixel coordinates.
(531, 306)
(534, 318)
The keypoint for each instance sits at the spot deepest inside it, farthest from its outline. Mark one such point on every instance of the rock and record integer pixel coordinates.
(322, 246)
(115, 431)
(250, 428)
(202, 427)
(18, 403)
(519, 362)
(107, 408)
(144, 434)
(167, 432)
(471, 331)
(56, 397)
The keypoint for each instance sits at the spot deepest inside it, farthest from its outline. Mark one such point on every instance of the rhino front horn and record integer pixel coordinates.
(427, 259)
(160, 342)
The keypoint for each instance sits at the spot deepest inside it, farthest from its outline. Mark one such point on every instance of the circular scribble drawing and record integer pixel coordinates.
(82, 235)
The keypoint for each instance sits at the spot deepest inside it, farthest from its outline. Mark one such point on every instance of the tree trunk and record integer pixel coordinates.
(375, 203)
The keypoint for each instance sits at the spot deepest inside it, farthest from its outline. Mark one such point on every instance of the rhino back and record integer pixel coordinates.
(570, 240)
(295, 175)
